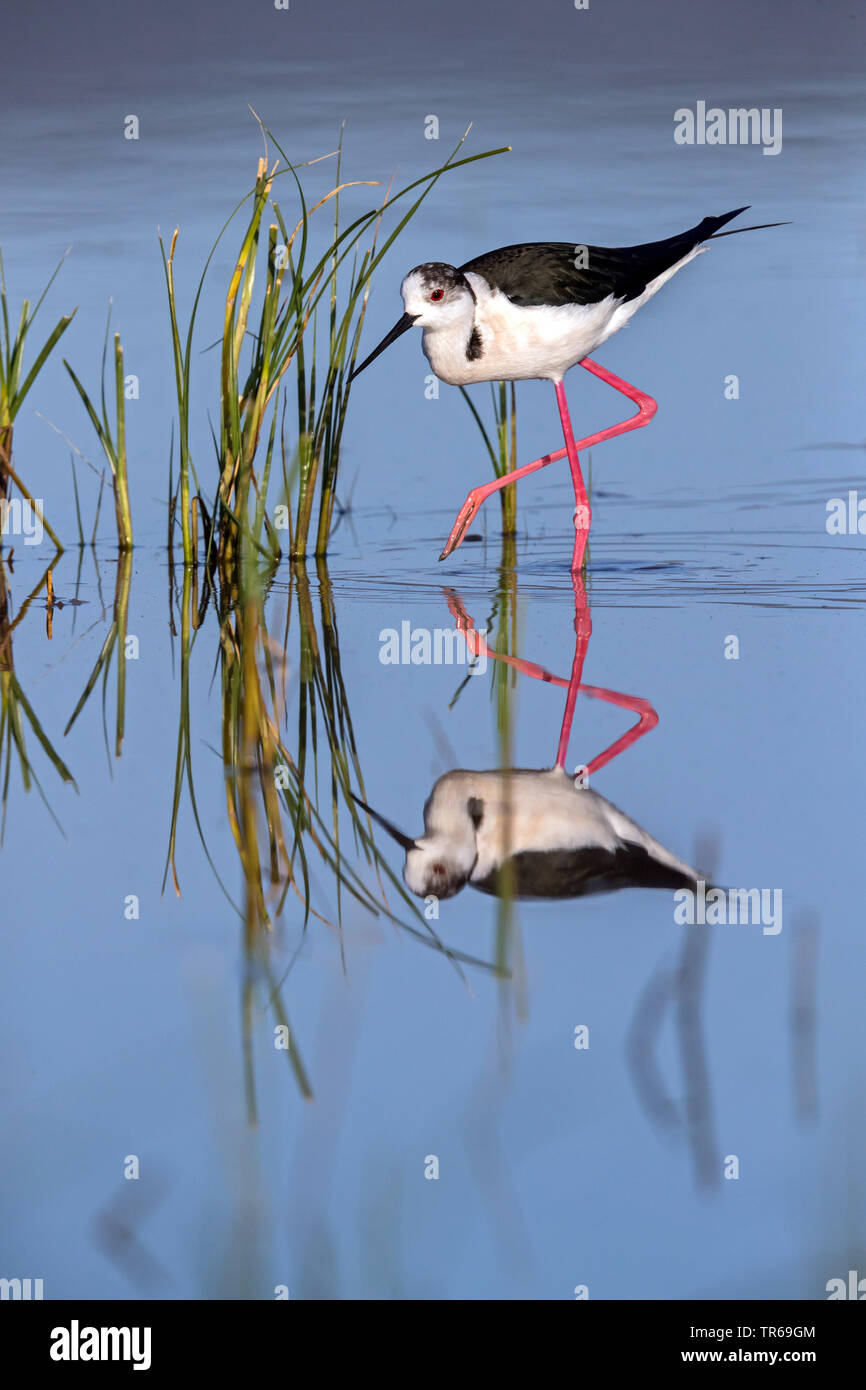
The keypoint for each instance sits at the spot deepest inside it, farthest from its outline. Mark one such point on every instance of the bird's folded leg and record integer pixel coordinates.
(481, 494)
(647, 408)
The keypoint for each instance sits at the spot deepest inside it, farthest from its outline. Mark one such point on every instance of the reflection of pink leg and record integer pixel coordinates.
(647, 717)
(647, 720)
(646, 410)
(478, 645)
(582, 633)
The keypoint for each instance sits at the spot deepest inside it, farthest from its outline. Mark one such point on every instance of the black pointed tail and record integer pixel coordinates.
(661, 254)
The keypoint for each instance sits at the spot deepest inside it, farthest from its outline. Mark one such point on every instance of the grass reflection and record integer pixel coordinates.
(292, 771)
(18, 718)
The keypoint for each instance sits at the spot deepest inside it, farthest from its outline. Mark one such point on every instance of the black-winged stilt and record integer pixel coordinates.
(559, 837)
(533, 311)
(563, 840)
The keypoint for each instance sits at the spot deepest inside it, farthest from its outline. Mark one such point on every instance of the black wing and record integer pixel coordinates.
(545, 273)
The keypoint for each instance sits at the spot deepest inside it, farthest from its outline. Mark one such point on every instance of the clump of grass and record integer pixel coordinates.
(14, 385)
(245, 393)
(113, 440)
(280, 330)
(322, 411)
(254, 360)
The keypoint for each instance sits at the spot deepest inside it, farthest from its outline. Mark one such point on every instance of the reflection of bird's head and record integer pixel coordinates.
(440, 863)
(439, 868)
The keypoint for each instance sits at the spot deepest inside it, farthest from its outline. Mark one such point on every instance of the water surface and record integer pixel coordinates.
(558, 1167)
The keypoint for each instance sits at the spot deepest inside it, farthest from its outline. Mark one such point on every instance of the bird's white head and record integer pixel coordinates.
(435, 296)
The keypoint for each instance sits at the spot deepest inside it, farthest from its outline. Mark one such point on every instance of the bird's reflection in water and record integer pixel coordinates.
(547, 834)
(537, 833)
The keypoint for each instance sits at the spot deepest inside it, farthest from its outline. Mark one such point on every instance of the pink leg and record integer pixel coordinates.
(646, 410)
(582, 513)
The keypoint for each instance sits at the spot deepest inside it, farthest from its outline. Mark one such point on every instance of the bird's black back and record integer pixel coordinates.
(539, 273)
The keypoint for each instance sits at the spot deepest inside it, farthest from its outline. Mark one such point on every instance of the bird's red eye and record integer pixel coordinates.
(437, 294)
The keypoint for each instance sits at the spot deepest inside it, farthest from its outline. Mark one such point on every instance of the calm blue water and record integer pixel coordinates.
(124, 1037)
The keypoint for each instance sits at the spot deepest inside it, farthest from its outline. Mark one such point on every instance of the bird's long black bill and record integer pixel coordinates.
(399, 328)
(735, 231)
(404, 841)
